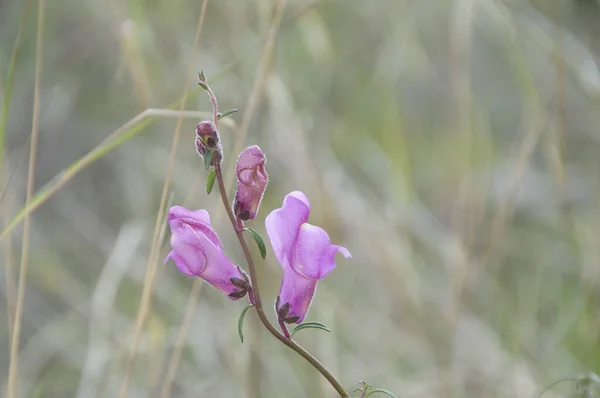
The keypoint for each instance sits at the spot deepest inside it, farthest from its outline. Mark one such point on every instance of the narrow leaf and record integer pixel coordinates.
(548, 388)
(241, 322)
(310, 325)
(227, 113)
(381, 390)
(210, 182)
(202, 80)
(208, 157)
(259, 242)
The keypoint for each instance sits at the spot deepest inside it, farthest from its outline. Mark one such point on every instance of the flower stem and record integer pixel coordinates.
(284, 329)
(258, 303)
(215, 106)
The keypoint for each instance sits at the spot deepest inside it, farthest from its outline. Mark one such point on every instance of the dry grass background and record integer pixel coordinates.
(451, 145)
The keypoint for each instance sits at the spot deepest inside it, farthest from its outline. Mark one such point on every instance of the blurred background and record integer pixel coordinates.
(451, 145)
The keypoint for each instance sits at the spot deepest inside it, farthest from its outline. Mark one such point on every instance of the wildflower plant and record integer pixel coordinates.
(303, 250)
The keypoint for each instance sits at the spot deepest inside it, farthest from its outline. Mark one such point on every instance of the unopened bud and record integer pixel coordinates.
(207, 137)
(252, 182)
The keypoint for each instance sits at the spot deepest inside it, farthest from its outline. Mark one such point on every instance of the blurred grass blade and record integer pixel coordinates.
(210, 182)
(123, 134)
(555, 383)
(9, 80)
(259, 242)
(240, 324)
(310, 325)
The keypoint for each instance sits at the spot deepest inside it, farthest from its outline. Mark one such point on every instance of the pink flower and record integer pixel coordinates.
(207, 137)
(252, 182)
(304, 252)
(197, 251)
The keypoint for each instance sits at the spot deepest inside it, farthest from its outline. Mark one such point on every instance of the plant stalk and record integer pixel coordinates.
(258, 302)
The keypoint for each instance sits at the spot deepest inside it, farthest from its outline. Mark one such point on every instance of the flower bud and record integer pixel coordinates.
(252, 181)
(207, 137)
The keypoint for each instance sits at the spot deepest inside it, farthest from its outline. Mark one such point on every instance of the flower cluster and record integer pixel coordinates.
(303, 250)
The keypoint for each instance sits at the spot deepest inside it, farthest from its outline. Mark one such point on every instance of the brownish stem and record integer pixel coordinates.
(284, 329)
(258, 303)
(215, 106)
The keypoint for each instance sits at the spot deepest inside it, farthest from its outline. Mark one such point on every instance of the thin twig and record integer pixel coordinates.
(13, 372)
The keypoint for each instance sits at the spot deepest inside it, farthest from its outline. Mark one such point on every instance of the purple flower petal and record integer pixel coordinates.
(305, 253)
(197, 251)
(219, 270)
(186, 254)
(283, 225)
(198, 220)
(252, 182)
(298, 291)
(250, 165)
(314, 255)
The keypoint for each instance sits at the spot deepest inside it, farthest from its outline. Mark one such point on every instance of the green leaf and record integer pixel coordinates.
(310, 325)
(210, 182)
(208, 157)
(226, 113)
(259, 242)
(241, 322)
(381, 390)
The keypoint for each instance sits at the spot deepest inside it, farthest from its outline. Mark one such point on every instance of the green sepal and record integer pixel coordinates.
(310, 325)
(208, 157)
(210, 182)
(259, 242)
(241, 322)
